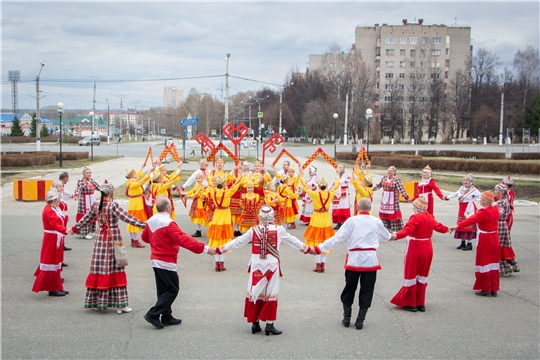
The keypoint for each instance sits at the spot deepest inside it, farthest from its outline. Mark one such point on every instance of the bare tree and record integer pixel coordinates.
(527, 68)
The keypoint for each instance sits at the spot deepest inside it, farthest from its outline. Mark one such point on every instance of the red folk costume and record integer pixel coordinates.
(197, 214)
(488, 248)
(271, 199)
(466, 196)
(426, 187)
(418, 256)
(50, 262)
(287, 197)
(507, 263)
(258, 180)
(341, 208)
(307, 201)
(250, 210)
(510, 196)
(106, 284)
(389, 211)
(85, 192)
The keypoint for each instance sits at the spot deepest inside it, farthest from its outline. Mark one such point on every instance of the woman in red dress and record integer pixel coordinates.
(50, 263)
(508, 263)
(426, 187)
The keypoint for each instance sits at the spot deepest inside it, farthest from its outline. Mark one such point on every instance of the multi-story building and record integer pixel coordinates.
(172, 97)
(412, 65)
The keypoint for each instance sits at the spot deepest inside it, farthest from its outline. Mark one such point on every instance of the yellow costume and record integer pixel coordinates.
(197, 214)
(320, 225)
(288, 198)
(135, 192)
(271, 199)
(250, 211)
(361, 191)
(221, 231)
(165, 189)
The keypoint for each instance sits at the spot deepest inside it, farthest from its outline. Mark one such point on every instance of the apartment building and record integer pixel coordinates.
(172, 97)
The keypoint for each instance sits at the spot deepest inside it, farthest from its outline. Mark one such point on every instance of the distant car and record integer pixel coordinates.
(89, 140)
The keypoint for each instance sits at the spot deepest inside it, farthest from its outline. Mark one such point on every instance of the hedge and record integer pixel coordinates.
(48, 139)
(24, 160)
(461, 154)
(525, 156)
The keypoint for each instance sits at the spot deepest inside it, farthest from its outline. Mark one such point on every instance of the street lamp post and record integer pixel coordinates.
(335, 135)
(92, 136)
(60, 112)
(369, 115)
(121, 117)
(38, 115)
(95, 78)
(108, 121)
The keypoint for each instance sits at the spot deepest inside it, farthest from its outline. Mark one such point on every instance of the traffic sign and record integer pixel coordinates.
(185, 132)
(186, 122)
(260, 114)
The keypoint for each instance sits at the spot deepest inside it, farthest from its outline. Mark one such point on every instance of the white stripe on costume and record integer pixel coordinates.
(163, 265)
(49, 267)
(487, 268)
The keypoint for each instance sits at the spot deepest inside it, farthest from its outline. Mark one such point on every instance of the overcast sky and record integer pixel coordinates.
(187, 42)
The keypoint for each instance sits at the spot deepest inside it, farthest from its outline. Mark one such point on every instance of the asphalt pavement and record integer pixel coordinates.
(456, 324)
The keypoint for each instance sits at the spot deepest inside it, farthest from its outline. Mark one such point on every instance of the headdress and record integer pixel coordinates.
(106, 187)
(420, 204)
(130, 173)
(312, 168)
(219, 159)
(156, 176)
(487, 196)
(470, 177)
(250, 185)
(245, 163)
(508, 181)
(162, 167)
(322, 182)
(368, 179)
(501, 186)
(85, 169)
(257, 163)
(199, 175)
(284, 179)
(427, 169)
(57, 183)
(52, 195)
(266, 214)
(220, 180)
(291, 170)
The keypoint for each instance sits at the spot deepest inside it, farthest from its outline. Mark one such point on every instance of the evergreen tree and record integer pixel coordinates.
(44, 132)
(16, 127)
(33, 126)
(532, 114)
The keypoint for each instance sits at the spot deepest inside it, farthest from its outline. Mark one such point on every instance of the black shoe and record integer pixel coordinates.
(337, 227)
(483, 293)
(347, 309)
(410, 308)
(270, 329)
(155, 322)
(57, 293)
(64, 264)
(197, 234)
(493, 294)
(66, 248)
(237, 233)
(62, 279)
(359, 324)
(256, 327)
(170, 321)
(65, 291)
(421, 308)
(467, 247)
(461, 246)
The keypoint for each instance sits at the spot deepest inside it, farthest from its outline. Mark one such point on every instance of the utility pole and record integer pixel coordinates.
(501, 123)
(226, 94)
(346, 118)
(38, 114)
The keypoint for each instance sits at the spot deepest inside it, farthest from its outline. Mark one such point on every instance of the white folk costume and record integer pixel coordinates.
(466, 196)
(263, 285)
(426, 187)
(341, 207)
(191, 180)
(86, 199)
(363, 234)
(307, 201)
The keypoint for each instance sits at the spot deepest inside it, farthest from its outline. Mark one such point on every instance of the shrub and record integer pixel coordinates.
(71, 155)
(24, 160)
(525, 156)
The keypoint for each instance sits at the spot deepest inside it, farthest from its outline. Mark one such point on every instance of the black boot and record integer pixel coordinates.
(468, 246)
(256, 327)
(197, 234)
(270, 329)
(347, 309)
(360, 319)
(462, 245)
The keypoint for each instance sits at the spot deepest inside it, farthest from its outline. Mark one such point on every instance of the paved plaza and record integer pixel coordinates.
(456, 324)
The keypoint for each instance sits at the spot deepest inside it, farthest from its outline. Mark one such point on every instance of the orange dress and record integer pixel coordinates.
(271, 199)
(286, 197)
(221, 230)
(250, 211)
(197, 214)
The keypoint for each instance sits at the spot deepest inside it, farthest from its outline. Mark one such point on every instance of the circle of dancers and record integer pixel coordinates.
(244, 206)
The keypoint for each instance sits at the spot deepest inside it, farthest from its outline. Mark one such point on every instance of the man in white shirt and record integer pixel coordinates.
(203, 164)
(284, 171)
(363, 233)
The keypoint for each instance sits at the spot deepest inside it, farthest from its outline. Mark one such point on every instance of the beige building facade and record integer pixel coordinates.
(172, 97)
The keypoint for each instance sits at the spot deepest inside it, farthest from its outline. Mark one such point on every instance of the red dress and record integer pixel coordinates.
(487, 249)
(426, 189)
(418, 256)
(50, 263)
(510, 220)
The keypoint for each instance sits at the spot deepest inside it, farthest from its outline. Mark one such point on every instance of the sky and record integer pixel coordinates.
(145, 46)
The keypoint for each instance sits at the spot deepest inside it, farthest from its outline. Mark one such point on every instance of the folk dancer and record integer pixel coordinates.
(167, 177)
(320, 225)
(418, 255)
(250, 208)
(341, 208)
(64, 178)
(307, 201)
(488, 249)
(507, 263)
(236, 199)
(261, 301)
(165, 239)
(389, 211)
(363, 184)
(259, 177)
(292, 181)
(202, 170)
(511, 197)
(363, 234)
(137, 207)
(221, 229)
(284, 171)
(63, 206)
(271, 199)
(54, 222)
(106, 284)
(197, 213)
(84, 192)
(286, 198)
(161, 185)
(426, 187)
(466, 195)
(214, 174)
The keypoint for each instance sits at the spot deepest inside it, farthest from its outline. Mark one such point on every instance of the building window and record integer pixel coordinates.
(410, 112)
(378, 62)
(378, 51)
(390, 40)
(436, 40)
(412, 64)
(402, 75)
(447, 39)
(413, 52)
(400, 98)
(435, 64)
(401, 86)
(389, 75)
(388, 98)
(435, 76)
(424, 40)
(447, 63)
(377, 86)
(413, 40)
(447, 51)
(386, 110)
(389, 64)
(402, 40)
(436, 53)
(390, 52)
(388, 86)
(412, 75)
(378, 74)
(403, 52)
(402, 64)
(421, 76)
(423, 52)
(422, 64)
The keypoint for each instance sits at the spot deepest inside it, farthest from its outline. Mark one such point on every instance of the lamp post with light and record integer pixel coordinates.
(369, 115)
(92, 136)
(60, 112)
(335, 135)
